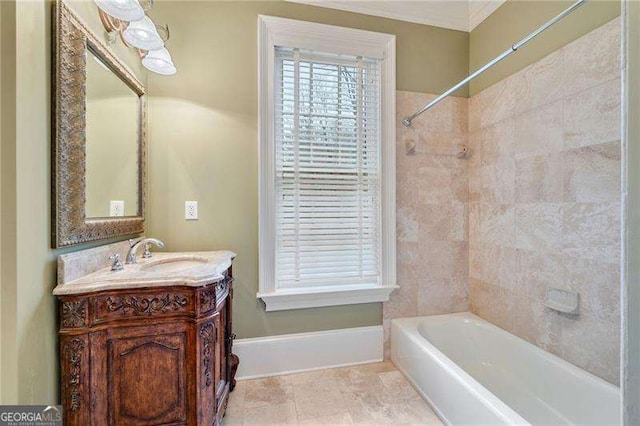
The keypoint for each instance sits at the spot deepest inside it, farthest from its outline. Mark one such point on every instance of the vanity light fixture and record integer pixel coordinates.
(125, 10)
(159, 61)
(138, 31)
(143, 35)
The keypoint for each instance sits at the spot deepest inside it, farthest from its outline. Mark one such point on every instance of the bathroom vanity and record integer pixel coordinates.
(150, 344)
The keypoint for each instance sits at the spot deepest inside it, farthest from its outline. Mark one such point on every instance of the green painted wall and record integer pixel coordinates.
(204, 141)
(517, 18)
(28, 311)
(8, 354)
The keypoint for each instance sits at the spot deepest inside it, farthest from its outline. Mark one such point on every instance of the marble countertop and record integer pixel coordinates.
(192, 269)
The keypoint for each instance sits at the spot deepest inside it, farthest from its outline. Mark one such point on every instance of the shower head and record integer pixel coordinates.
(407, 121)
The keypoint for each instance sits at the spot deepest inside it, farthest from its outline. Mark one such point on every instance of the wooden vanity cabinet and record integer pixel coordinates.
(147, 356)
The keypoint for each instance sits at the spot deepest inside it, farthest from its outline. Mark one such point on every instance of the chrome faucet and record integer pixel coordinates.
(144, 242)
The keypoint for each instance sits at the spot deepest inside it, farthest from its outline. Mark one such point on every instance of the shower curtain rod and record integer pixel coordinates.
(408, 119)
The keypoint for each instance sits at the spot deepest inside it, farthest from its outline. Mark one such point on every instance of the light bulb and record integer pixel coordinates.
(125, 10)
(159, 61)
(143, 35)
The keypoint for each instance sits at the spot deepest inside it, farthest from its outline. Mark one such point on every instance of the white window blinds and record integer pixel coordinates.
(327, 163)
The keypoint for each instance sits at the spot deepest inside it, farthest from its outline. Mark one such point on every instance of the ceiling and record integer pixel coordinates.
(463, 15)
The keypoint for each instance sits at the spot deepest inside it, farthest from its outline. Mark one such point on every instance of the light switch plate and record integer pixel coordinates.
(191, 210)
(116, 208)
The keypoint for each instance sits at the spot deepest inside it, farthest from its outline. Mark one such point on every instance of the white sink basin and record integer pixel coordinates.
(172, 265)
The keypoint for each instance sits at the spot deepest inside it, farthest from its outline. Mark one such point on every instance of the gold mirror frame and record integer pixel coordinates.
(72, 40)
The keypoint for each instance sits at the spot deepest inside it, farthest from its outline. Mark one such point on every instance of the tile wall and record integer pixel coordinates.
(432, 210)
(536, 205)
(544, 198)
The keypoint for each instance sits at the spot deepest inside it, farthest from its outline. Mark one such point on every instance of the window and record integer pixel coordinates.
(327, 143)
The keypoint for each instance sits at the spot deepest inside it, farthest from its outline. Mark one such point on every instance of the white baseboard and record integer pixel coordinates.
(292, 353)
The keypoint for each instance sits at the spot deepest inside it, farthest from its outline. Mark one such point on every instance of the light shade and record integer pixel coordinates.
(125, 10)
(143, 35)
(159, 61)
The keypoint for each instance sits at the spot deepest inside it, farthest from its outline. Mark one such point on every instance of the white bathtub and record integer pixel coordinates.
(472, 372)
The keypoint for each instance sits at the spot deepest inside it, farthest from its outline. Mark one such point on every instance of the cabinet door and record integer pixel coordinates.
(147, 373)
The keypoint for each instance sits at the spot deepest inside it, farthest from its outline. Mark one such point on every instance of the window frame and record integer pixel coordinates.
(272, 32)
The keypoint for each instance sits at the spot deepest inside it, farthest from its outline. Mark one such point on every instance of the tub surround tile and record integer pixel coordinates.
(491, 302)
(460, 182)
(591, 344)
(539, 131)
(436, 222)
(539, 179)
(592, 116)
(497, 183)
(592, 59)
(432, 202)
(592, 231)
(403, 301)
(435, 187)
(493, 264)
(539, 226)
(407, 224)
(598, 284)
(544, 201)
(592, 173)
(535, 271)
(498, 102)
(458, 222)
(497, 142)
(545, 79)
(497, 224)
(443, 296)
(537, 204)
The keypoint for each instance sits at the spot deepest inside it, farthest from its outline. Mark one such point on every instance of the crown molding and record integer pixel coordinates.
(479, 10)
(454, 15)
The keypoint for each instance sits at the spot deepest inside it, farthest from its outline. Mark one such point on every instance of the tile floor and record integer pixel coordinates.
(370, 394)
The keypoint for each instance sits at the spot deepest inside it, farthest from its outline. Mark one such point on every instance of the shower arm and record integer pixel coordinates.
(408, 119)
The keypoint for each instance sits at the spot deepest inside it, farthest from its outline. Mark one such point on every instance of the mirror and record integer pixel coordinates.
(112, 143)
(99, 119)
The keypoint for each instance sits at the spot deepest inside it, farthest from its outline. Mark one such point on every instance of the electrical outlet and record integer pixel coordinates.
(191, 210)
(116, 208)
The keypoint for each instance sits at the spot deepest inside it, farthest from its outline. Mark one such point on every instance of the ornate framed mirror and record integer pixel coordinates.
(99, 138)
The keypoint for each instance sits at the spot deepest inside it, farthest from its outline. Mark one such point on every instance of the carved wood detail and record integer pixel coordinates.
(136, 305)
(208, 336)
(131, 337)
(74, 313)
(147, 305)
(207, 299)
(73, 350)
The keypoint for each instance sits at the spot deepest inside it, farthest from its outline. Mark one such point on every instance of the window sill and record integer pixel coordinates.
(314, 297)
